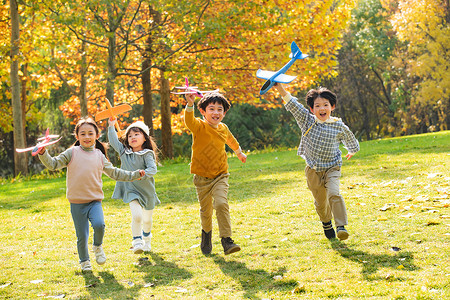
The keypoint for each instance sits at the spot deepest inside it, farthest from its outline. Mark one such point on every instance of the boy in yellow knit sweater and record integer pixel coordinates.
(210, 167)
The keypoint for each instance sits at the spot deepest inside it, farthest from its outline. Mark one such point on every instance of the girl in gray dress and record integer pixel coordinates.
(137, 150)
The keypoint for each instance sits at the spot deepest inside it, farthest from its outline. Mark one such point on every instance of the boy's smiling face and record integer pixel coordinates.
(322, 109)
(213, 114)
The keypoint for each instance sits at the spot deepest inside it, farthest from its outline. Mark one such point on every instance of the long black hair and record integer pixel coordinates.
(88, 120)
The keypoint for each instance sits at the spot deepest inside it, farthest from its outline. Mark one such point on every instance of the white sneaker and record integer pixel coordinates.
(138, 246)
(100, 256)
(86, 265)
(147, 244)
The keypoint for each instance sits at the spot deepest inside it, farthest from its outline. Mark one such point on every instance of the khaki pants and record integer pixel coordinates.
(325, 188)
(212, 194)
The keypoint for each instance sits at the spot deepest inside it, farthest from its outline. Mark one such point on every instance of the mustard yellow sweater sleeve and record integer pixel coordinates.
(209, 158)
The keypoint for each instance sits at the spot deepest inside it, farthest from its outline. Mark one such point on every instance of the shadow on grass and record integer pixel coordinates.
(371, 263)
(161, 272)
(253, 281)
(110, 288)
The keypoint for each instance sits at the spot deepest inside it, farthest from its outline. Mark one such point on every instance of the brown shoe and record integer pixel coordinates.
(229, 246)
(206, 245)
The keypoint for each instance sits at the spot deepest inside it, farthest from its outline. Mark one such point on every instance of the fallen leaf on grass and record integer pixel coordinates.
(401, 267)
(277, 277)
(149, 285)
(60, 296)
(181, 290)
(422, 198)
(445, 217)
(195, 246)
(407, 198)
(432, 175)
(396, 248)
(36, 281)
(433, 222)
(388, 206)
(408, 215)
(5, 285)
(299, 290)
(382, 218)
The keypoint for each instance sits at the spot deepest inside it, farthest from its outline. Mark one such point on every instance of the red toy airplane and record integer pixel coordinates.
(111, 112)
(46, 141)
(192, 89)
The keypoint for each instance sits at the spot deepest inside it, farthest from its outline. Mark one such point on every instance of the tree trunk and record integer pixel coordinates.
(20, 159)
(111, 68)
(147, 90)
(23, 99)
(82, 96)
(166, 116)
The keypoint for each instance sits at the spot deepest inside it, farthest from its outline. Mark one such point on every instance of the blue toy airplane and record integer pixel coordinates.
(279, 76)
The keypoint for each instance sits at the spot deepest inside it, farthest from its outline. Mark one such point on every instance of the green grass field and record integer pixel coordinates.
(397, 197)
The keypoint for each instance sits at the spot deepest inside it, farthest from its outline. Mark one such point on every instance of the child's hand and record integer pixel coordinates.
(142, 173)
(190, 98)
(242, 157)
(280, 89)
(349, 155)
(112, 121)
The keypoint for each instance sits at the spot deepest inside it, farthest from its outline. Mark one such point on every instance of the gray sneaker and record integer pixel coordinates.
(229, 246)
(342, 234)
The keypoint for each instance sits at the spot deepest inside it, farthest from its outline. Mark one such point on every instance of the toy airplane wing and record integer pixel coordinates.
(283, 78)
(184, 93)
(264, 74)
(50, 136)
(38, 147)
(186, 87)
(113, 111)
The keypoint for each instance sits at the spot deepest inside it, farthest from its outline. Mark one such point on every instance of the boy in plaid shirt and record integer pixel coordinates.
(319, 146)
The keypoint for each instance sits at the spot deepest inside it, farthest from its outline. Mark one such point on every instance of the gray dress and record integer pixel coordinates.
(141, 190)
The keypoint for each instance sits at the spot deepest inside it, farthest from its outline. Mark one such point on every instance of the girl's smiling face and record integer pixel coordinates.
(213, 114)
(86, 135)
(135, 139)
(322, 109)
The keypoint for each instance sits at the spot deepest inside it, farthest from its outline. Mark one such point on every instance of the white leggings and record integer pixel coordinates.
(141, 219)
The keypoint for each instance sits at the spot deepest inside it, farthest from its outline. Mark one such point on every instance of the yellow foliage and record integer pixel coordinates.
(422, 23)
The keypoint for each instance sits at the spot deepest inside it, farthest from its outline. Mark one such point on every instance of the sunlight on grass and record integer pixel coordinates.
(397, 197)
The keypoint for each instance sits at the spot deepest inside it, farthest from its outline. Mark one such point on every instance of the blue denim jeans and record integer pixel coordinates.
(82, 214)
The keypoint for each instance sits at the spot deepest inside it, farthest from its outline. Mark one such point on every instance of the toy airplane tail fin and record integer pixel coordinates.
(295, 52)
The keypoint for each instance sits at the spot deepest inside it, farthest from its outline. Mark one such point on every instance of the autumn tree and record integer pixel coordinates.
(424, 25)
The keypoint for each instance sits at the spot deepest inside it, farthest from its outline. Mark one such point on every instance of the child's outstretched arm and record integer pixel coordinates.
(120, 174)
(54, 163)
(280, 89)
(112, 136)
(242, 157)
